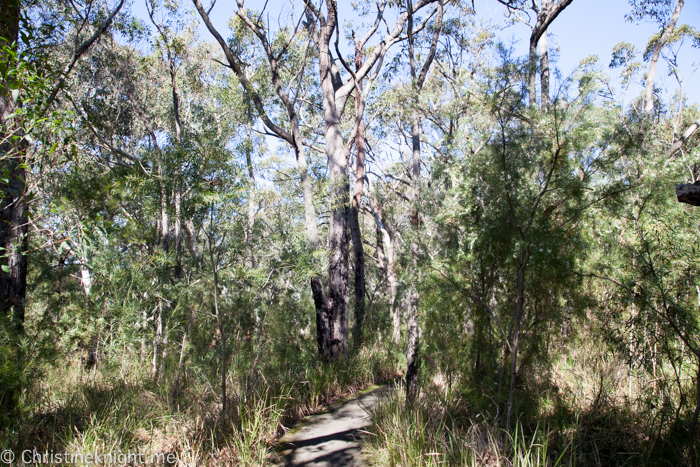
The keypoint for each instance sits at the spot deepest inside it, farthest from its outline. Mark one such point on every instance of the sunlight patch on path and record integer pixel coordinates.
(332, 438)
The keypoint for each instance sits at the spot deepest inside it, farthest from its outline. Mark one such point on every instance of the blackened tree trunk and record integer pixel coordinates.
(334, 97)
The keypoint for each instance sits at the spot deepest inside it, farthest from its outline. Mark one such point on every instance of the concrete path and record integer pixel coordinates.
(331, 438)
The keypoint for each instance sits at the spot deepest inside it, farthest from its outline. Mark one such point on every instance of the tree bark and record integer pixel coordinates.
(545, 15)
(177, 231)
(337, 153)
(412, 351)
(13, 212)
(385, 237)
(686, 135)
(665, 35)
(334, 96)
(544, 72)
(191, 240)
(358, 249)
(688, 193)
(164, 222)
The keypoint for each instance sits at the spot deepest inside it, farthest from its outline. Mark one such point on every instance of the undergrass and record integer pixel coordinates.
(108, 411)
(435, 434)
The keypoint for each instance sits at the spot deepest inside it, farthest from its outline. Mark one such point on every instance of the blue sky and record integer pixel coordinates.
(593, 27)
(584, 28)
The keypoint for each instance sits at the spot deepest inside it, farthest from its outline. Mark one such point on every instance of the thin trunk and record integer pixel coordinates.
(393, 280)
(412, 351)
(355, 210)
(258, 345)
(176, 98)
(191, 240)
(418, 79)
(165, 228)
(532, 73)
(157, 337)
(85, 279)
(164, 352)
(665, 35)
(180, 365)
(544, 71)
(222, 331)
(144, 326)
(518, 310)
(251, 192)
(381, 256)
(386, 237)
(546, 14)
(413, 297)
(178, 231)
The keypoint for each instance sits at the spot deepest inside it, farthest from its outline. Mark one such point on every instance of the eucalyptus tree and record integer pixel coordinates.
(417, 81)
(545, 13)
(666, 16)
(291, 96)
(332, 312)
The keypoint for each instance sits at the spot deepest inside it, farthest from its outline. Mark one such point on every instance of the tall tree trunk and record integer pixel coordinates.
(13, 212)
(385, 237)
(222, 331)
(532, 73)
(338, 302)
(157, 338)
(251, 191)
(418, 78)
(164, 223)
(412, 298)
(412, 351)
(665, 35)
(183, 357)
(544, 71)
(338, 270)
(355, 210)
(547, 13)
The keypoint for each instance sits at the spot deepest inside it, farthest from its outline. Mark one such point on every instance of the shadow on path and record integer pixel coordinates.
(331, 438)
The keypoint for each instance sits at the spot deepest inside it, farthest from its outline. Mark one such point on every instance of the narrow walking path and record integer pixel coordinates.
(332, 438)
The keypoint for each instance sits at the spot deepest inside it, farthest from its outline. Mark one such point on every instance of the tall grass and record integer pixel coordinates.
(433, 434)
(120, 411)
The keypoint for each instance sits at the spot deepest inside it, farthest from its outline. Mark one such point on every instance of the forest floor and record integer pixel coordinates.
(332, 437)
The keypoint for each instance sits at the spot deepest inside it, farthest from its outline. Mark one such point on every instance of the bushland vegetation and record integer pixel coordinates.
(207, 233)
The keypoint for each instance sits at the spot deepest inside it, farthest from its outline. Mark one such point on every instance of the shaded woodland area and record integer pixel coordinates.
(208, 233)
